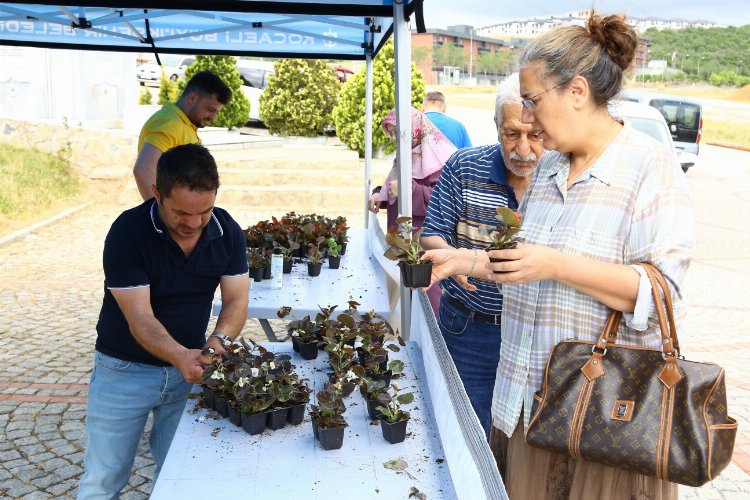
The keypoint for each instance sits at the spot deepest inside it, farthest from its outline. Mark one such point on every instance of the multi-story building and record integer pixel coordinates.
(531, 27)
(457, 55)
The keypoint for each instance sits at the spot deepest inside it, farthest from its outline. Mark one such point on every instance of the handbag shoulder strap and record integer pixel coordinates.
(670, 373)
(664, 313)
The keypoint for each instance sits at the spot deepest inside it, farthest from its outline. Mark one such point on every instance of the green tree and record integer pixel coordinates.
(349, 113)
(494, 63)
(145, 96)
(451, 55)
(712, 50)
(300, 97)
(167, 90)
(237, 111)
(419, 54)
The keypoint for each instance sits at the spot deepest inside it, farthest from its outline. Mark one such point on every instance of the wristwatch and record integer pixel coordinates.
(225, 340)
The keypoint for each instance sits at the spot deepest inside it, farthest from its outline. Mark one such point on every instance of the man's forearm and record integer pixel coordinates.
(232, 318)
(152, 336)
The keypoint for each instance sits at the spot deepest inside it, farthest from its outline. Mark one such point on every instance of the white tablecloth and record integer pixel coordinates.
(289, 463)
(359, 278)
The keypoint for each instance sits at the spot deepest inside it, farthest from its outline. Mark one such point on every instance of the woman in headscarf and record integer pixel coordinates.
(430, 149)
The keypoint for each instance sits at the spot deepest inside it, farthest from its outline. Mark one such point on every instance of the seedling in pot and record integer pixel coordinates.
(404, 247)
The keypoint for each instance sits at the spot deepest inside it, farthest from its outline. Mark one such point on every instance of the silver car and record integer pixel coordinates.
(172, 65)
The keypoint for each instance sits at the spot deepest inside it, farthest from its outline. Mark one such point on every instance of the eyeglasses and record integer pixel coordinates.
(530, 104)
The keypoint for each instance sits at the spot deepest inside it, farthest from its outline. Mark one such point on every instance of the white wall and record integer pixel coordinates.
(89, 88)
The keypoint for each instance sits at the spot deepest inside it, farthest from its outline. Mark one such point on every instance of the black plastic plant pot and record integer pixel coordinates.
(221, 405)
(308, 350)
(331, 438)
(334, 262)
(416, 275)
(394, 433)
(297, 252)
(235, 415)
(255, 423)
(495, 259)
(288, 263)
(372, 404)
(385, 376)
(343, 248)
(256, 273)
(276, 419)
(296, 414)
(267, 272)
(209, 399)
(314, 269)
(295, 344)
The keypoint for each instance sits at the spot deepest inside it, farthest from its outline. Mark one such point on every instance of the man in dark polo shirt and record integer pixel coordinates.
(472, 184)
(163, 261)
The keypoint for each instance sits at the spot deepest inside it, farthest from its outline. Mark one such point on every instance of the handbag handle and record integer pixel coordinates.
(670, 374)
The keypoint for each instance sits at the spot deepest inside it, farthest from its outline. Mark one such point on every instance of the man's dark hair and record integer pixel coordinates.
(190, 166)
(206, 83)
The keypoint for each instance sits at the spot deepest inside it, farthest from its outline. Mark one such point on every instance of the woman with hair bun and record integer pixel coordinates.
(603, 199)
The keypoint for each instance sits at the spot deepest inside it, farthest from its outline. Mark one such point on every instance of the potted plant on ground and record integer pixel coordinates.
(338, 231)
(314, 260)
(255, 263)
(328, 417)
(371, 391)
(404, 247)
(297, 402)
(287, 252)
(394, 419)
(374, 369)
(302, 332)
(504, 235)
(334, 253)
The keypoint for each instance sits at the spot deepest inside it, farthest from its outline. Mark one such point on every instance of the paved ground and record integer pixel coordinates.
(51, 293)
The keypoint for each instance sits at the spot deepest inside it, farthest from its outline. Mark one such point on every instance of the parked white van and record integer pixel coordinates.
(683, 116)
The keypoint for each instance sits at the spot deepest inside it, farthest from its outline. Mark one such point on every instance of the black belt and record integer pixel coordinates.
(475, 315)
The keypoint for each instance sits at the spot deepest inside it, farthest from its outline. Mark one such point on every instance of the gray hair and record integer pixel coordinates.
(508, 92)
(599, 52)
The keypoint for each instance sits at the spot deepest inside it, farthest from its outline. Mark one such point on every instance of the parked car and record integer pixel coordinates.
(684, 116)
(650, 121)
(172, 65)
(254, 76)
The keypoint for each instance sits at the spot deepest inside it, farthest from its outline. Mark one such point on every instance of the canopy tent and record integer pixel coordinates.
(282, 28)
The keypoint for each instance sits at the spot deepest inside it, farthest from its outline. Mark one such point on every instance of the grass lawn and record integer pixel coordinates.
(34, 184)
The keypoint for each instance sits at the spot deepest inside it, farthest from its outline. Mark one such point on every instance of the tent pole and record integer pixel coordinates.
(402, 56)
(368, 136)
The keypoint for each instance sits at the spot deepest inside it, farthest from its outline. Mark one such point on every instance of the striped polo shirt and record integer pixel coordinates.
(471, 186)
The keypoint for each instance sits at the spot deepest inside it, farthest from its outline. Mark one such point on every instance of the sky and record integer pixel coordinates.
(479, 13)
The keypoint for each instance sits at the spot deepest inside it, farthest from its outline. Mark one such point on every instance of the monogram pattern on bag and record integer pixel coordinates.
(632, 374)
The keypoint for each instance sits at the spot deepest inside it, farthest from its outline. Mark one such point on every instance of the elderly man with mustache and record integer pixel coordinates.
(474, 182)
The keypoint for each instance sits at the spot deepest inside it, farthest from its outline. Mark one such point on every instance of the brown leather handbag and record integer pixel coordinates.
(648, 411)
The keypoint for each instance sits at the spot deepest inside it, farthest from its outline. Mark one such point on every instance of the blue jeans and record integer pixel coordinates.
(475, 349)
(121, 395)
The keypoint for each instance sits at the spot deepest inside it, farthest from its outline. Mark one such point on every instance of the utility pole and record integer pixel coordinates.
(471, 52)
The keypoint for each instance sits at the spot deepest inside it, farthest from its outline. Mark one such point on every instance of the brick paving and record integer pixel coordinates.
(52, 288)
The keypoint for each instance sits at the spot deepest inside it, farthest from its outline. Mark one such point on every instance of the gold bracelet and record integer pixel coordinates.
(473, 263)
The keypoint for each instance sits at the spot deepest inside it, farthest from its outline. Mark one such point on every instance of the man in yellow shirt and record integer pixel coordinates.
(177, 123)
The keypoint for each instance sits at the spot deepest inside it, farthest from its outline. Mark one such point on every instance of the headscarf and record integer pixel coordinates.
(430, 149)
